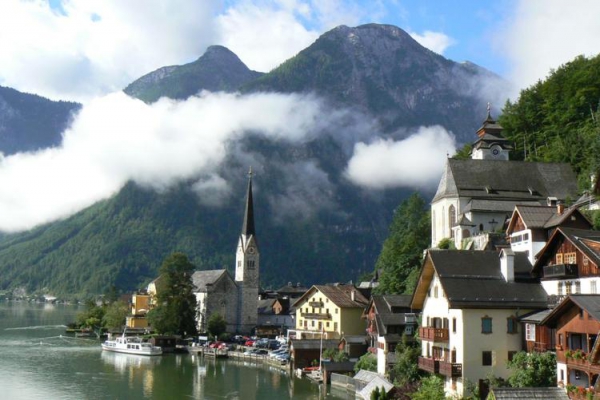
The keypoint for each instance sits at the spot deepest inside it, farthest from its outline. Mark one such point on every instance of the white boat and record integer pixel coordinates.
(131, 345)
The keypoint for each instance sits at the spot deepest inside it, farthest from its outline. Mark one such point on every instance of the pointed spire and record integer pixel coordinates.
(248, 227)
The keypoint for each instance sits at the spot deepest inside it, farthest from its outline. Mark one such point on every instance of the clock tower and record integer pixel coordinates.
(491, 145)
(247, 267)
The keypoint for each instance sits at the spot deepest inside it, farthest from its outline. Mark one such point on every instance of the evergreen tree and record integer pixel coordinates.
(216, 325)
(533, 370)
(402, 252)
(175, 312)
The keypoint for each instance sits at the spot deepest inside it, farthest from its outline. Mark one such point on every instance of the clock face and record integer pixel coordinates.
(495, 151)
(251, 250)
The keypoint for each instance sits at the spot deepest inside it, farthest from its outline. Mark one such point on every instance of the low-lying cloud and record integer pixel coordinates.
(416, 161)
(434, 41)
(115, 139)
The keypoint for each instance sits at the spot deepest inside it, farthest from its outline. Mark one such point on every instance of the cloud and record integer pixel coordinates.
(434, 41)
(115, 139)
(416, 161)
(540, 35)
(212, 190)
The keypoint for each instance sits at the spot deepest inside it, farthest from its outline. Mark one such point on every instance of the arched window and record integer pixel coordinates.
(451, 219)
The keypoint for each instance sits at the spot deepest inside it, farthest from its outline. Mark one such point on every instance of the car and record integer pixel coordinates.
(216, 345)
(249, 343)
(283, 358)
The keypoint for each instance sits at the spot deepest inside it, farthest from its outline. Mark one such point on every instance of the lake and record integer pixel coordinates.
(39, 361)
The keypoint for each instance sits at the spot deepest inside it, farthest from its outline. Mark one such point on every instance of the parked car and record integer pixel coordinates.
(216, 345)
(249, 343)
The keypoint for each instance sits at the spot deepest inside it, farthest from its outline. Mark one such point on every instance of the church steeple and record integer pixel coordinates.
(248, 226)
(490, 144)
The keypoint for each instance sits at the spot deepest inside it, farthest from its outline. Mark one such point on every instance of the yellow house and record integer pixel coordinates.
(331, 310)
(140, 305)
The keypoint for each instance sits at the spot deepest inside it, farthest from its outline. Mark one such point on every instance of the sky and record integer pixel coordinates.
(89, 50)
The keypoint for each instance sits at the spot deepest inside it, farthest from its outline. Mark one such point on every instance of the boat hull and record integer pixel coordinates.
(155, 352)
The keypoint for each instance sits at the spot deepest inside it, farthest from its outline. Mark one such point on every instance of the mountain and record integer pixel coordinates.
(29, 122)
(313, 225)
(217, 70)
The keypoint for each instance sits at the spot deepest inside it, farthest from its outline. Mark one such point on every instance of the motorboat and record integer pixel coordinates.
(131, 345)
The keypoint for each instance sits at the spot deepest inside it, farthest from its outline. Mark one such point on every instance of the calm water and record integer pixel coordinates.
(38, 361)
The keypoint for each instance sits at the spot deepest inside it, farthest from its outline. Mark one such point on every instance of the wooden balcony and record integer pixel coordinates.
(316, 315)
(450, 369)
(561, 271)
(434, 334)
(429, 364)
(316, 304)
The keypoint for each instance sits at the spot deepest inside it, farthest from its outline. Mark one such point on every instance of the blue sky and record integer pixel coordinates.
(90, 48)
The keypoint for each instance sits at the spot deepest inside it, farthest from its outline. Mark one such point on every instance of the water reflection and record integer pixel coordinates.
(129, 362)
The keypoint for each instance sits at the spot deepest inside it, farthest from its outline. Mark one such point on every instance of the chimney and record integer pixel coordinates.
(352, 295)
(560, 208)
(507, 264)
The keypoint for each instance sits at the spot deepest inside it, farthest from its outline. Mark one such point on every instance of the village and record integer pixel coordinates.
(520, 275)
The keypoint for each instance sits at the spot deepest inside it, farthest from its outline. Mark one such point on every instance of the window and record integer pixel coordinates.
(568, 288)
(486, 325)
(335, 326)
(486, 358)
(560, 339)
(408, 330)
(512, 325)
(586, 261)
(453, 325)
(530, 332)
(250, 264)
(593, 287)
(327, 324)
(451, 219)
(577, 287)
(320, 325)
(511, 354)
(581, 313)
(435, 292)
(337, 310)
(312, 323)
(560, 288)
(570, 258)
(559, 258)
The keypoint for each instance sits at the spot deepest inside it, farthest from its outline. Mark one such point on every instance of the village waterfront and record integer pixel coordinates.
(39, 361)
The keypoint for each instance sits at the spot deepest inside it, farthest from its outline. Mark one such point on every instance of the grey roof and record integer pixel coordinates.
(490, 206)
(590, 303)
(386, 307)
(355, 339)
(472, 279)
(535, 216)
(265, 307)
(248, 225)
(515, 181)
(366, 376)
(543, 393)
(587, 302)
(339, 294)
(314, 344)
(208, 277)
(344, 366)
(535, 317)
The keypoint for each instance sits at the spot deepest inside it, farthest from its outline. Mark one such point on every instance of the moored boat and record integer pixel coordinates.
(131, 345)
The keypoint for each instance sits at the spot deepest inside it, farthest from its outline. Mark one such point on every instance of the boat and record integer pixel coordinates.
(131, 345)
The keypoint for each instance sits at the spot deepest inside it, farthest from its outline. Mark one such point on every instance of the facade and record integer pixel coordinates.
(478, 195)
(388, 318)
(215, 292)
(577, 324)
(530, 227)
(569, 263)
(140, 305)
(331, 311)
(471, 302)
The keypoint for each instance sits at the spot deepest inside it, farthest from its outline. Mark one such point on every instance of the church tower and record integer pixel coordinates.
(490, 144)
(247, 267)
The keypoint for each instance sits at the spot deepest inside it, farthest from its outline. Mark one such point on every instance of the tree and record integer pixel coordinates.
(175, 312)
(533, 369)
(216, 325)
(432, 388)
(402, 251)
(115, 314)
(406, 370)
(367, 362)
(91, 317)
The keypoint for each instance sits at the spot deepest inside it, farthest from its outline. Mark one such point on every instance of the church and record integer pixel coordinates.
(478, 195)
(235, 299)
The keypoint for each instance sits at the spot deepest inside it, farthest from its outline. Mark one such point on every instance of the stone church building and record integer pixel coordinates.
(235, 299)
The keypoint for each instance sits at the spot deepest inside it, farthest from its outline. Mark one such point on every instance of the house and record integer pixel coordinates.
(477, 195)
(308, 352)
(471, 302)
(354, 345)
(141, 303)
(577, 324)
(388, 318)
(569, 263)
(531, 226)
(331, 311)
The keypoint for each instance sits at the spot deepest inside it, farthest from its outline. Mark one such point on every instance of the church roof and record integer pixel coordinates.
(472, 279)
(208, 277)
(248, 225)
(515, 181)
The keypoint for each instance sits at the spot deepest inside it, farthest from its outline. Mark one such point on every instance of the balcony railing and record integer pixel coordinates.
(450, 369)
(429, 364)
(434, 334)
(316, 304)
(561, 271)
(316, 315)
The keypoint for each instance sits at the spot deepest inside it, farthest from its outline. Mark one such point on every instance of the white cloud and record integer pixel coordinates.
(434, 41)
(416, 161)
(544, 34)
(97, 47)
(115, 139)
